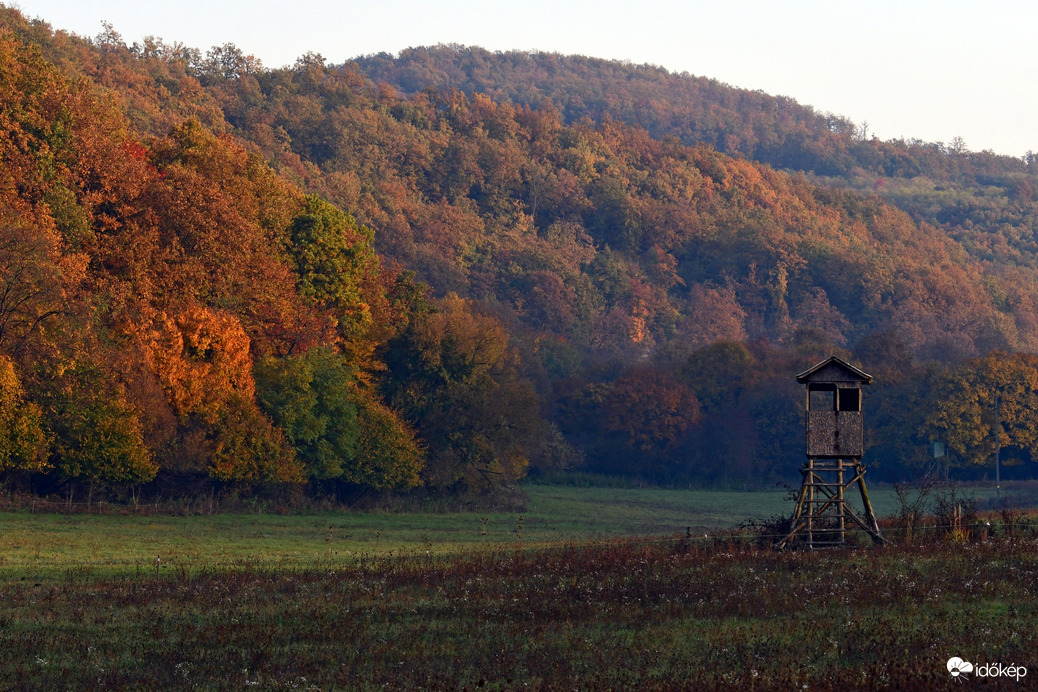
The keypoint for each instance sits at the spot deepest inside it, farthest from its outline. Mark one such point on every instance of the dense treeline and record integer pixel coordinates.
(984, 200)
(223, 274)
(618, 245)
(697, 110)
(173, 311)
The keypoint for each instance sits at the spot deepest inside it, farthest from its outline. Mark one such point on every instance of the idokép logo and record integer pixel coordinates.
(961, 669)
(957, 667)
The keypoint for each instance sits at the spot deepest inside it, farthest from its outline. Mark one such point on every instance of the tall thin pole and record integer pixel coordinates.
(998, 456)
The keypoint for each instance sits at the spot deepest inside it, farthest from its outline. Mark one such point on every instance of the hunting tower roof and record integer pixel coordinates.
(834, 369)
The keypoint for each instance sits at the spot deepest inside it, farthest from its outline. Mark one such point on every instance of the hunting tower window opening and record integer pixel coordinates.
(848, 400)
(829, 398)
(823, 399)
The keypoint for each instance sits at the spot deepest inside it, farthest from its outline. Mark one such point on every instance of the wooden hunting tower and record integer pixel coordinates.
(835, 445)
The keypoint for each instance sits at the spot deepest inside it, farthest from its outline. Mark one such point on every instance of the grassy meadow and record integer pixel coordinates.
(602, 590)
(48, 545)
(45, 545)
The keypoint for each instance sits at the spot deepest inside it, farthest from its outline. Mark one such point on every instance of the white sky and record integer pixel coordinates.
(926, 69)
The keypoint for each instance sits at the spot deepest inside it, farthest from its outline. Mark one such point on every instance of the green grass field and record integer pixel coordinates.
(39, 546)
(601, 591)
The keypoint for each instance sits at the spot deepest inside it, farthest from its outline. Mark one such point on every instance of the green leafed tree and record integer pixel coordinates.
(334, 261)
(388, 455)
(97, 435)
(337, 430)
(309, 398)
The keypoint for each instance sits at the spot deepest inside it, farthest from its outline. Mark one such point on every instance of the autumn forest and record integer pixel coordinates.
(448, 270)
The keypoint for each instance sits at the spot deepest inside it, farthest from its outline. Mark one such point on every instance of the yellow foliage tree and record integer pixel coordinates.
(21, 437)
(964, 415)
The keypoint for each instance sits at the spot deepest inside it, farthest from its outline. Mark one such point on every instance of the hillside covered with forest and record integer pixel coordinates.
(441, 273)
(969, 194)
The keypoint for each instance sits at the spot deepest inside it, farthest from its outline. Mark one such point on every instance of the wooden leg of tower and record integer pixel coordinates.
(796, 523)
(798, 511)
(870, 516)
(839, 503)
(810, 480)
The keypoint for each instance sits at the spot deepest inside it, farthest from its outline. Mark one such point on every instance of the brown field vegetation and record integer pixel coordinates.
(619, 614)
